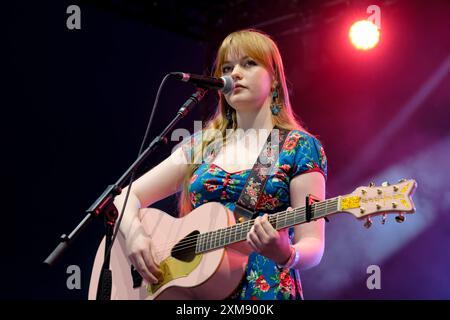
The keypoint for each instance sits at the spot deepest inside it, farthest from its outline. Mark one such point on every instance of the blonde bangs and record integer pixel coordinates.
(249, 43)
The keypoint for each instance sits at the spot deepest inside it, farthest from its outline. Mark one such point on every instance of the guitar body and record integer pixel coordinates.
(209, 275)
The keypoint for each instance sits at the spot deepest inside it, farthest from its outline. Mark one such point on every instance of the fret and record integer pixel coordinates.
(277, 221)
(222, 237)
(216, 239)
(217, 242)
(204, 242)
(198, 247)
(285, 221)
(211, 240)
(315, 209)
(299, 215)
(207, 236)
(197, 243)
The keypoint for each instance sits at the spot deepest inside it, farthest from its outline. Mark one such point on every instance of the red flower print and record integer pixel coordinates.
(268, 202)
(279, 175)
(323, 156)
(212, 170)
(193, 178)
(289, 145)
(211, 187)
(291, 142)
(285, 167)
(262, 284)
(286, 282)
(259, 280)
(264, 287)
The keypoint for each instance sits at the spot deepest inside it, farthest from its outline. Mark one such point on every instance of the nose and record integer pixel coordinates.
(236, 73)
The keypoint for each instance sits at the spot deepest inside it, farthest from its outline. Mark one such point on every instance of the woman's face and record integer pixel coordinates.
(252, 82)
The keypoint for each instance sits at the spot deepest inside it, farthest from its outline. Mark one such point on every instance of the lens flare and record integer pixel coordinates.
(364, 35)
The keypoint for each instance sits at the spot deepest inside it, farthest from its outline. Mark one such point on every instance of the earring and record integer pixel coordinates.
(228, 114)
(275, 106)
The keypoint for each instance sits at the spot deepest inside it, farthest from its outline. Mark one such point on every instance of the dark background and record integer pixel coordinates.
(76, 104)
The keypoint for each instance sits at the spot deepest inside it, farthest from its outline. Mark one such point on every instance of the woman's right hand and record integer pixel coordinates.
(139, 249)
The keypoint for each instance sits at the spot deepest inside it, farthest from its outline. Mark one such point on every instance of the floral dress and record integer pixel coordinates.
(301, 153)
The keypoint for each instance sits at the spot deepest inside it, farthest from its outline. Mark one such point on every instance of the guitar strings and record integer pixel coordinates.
(191, 241)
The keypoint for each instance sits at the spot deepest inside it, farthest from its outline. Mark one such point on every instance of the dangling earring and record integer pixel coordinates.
(275, 106)
(228, 114)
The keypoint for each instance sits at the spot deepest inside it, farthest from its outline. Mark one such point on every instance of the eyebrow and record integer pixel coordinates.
(226, 61)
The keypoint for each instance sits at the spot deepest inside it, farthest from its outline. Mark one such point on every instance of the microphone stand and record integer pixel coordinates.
(104, 204)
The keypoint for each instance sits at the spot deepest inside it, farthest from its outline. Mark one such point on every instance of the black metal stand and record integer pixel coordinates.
(104, 204)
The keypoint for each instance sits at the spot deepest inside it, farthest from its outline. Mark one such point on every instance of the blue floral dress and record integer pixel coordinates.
(301, 153)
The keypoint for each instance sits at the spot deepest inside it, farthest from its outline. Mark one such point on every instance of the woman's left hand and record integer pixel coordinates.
(267, 241)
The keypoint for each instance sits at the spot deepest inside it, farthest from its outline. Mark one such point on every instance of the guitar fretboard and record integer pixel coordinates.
(219, 238)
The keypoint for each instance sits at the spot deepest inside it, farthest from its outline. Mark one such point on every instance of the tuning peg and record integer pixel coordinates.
(379, 191)
(372, 184)
(394, 205)
(368, 223)
(395, 188)
(385, 184)
(363, 192)
(383, 219)
(362, 210)
(378, 206)
(400, 218)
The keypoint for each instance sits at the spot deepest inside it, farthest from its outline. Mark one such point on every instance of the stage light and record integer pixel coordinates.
(364, 35)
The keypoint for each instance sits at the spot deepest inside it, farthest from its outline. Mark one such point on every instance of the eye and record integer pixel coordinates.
(226, 69)
(249, 63)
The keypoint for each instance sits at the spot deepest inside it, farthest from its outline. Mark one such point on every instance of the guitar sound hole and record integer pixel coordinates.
(185, 249)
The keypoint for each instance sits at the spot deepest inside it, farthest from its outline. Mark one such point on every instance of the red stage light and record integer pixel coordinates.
(364, 35)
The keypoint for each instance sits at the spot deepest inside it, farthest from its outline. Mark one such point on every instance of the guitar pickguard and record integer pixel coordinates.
(181, 263)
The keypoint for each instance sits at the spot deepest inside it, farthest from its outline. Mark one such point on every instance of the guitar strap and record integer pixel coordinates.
(250, 196)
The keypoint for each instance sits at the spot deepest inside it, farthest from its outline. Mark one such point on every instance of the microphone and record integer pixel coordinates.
(224, 84)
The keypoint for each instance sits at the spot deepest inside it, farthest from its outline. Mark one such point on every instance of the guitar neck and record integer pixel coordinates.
(283, 219)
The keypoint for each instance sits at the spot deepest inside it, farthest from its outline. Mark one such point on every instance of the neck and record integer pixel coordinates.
(260, 118)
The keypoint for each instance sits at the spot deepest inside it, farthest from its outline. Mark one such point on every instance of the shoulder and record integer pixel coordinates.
(304, 152)
(296, 139)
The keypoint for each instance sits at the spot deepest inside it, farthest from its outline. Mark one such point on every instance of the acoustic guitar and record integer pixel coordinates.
(204, 254)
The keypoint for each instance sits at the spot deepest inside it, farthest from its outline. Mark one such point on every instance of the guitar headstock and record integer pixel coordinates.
(366, 202)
